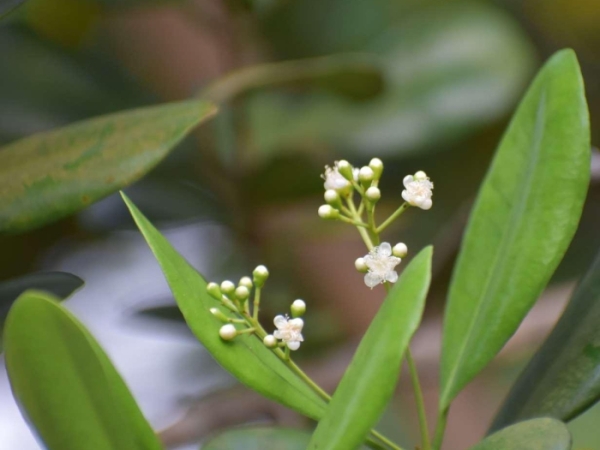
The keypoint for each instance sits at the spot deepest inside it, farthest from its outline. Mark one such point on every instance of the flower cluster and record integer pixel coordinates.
(418, 190)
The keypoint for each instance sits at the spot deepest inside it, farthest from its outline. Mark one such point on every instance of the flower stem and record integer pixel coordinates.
(363, 232)
(440, 429)
(414, 375)
(256, 303)
(393, 217)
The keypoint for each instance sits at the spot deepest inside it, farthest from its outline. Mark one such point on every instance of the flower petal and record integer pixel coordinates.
(293, 345)
(372, 279)
(391, 276)
(407, 180)
(384, 249)
(426, 204)
(280, 321)
(297, 324)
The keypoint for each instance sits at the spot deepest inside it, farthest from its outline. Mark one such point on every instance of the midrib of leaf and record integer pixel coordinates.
(506, 241)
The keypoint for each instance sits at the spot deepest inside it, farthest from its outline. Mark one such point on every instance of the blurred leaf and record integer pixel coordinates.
(6, 6)
(563, 378)
(259, 438)
(50, 175)
(371, 378)
(246, 357)
(447, 70)
(536, 434)
(65, 384)
(522, 222)
(61, 284)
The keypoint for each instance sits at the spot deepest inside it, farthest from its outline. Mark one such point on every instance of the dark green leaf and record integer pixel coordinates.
(246, 357)
(61, 284)
(371, 378)
(536, 434)
(259, 438)
(522, 222)
(563, 378)
(65, 384)
(51, 175)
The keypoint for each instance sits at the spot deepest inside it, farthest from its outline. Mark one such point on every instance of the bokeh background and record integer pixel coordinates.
(437, 83)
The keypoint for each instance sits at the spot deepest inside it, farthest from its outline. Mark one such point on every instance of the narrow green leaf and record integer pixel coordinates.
(259, 438)
(61, 284)
(536, 434)
(563, 378)
(50, 175)
(371, 378)
(522, 222)
(65, 384)
(246, 357)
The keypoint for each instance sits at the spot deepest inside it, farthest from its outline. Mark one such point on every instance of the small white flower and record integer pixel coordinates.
(289, 331)
(418, 190)
(381, 264)
(335, 180)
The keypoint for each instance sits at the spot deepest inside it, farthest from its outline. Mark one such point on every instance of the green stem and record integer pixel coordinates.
(352, 221)
(440, 429)
(363, 232)
(414, 375)
(256, 303)
(393, 217)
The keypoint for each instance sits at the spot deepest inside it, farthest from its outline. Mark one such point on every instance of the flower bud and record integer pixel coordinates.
(361, 265)
(214, 291)
(227, 287)
(260, 275)
(366, 174)
(345, 169)
(242, 293)
(333, 198)
(270, 341)
(327, 212)
(420, 175)
(373, 194)
(246, 281)
(298, 308)
(227, 332)
(400, 250)
(219, 314)
(377, 167)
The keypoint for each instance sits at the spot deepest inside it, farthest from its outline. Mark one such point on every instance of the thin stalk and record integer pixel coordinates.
(256, 303)
(440, 429)
(393, 217)
(363, 232)
(353, 221)
(414, 375)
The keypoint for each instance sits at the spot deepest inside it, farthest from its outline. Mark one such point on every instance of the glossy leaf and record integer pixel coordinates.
(523, 220)
(259, 438)
(370, 380)
(65, 384)
(61, 284)
(50, 175)
(563, 378)
(536, 434)
(246, 357)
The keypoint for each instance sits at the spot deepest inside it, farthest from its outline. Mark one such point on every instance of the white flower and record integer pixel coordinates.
(418, 190)
(289, 331)
(335, 180)
(381, 264)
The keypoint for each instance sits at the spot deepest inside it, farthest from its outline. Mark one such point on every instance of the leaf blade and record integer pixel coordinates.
(65, 383)
(535, 434)
(370, 380)
(516, 237)
(259, 438)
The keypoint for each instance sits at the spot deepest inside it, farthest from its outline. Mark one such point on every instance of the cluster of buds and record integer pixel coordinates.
(243, 316)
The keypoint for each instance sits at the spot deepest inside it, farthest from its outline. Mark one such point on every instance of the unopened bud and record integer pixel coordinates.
(242, 293)
(345, 169)
(227, 332)
(298, 308)
(328, 212)
(270, 341)
(246, 281)
(420, 175)
(260, 275)
(214, 291)
(377, 166)
(366, 174)
(227, 287)
(373, 194)
(400, 250)
(333, 198)
(361, 265)
(219, 314)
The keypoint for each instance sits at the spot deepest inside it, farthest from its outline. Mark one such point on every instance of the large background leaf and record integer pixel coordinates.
(50, 175)
(61, 284)
(563, 378)
(259, 438)
(536, 434)
(371, 378)
(524, 218)
(65, 384)
(246, 357)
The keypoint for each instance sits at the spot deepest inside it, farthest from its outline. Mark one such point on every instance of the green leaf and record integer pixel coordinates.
(563, 378)
(536, 434)
(50, 175)
(246, 357)
(371, 378)
(61, 284)
(7, 6)
(65, 384)
(523, 220)
(259, 438)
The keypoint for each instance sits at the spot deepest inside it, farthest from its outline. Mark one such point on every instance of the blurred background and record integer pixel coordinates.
(430, 86)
